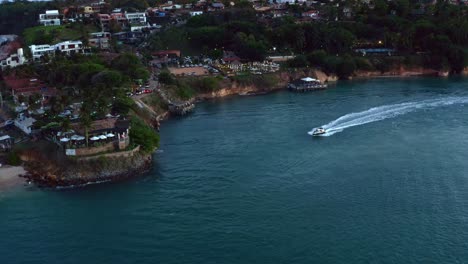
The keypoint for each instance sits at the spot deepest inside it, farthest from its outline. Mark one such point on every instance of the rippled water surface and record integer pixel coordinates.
(241, 181)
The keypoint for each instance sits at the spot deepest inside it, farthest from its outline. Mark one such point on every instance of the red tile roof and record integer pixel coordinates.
(27, 86)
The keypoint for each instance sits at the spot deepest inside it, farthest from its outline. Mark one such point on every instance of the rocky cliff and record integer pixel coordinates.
(60, 173)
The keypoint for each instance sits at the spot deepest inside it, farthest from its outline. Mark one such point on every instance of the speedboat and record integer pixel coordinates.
(319, 131)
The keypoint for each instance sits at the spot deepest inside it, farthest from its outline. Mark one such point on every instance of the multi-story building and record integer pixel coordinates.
(100, 40)
(39, 51)
(66, 47)
(70, 47)
(136, 18)
(50, 18)
(104, 20)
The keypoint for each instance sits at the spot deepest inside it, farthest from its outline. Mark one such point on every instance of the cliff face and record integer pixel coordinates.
(52, 173)
(230, 88)
(406, 71)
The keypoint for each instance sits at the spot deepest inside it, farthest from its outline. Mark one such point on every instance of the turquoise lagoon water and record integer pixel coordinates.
(241, 181)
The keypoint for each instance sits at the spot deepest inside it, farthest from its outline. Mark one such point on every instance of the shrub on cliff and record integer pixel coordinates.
(143, 135)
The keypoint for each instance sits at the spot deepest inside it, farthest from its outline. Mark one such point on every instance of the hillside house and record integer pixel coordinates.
(100, 40)
(11, 52)
(39, 51)
(28, 86)
(136, 18)
(25, 123)
(50, 18)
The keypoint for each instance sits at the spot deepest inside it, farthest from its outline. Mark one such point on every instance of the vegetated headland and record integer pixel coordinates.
(85, 85)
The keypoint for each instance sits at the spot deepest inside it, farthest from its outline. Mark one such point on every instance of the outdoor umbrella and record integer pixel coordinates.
(94, 138)
(110, 135)
(64, 139)
(75, 137)
(102, 137)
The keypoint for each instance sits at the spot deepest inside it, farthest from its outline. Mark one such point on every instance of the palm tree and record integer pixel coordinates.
(85, 119)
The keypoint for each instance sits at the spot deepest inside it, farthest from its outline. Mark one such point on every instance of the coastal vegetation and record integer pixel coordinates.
(141, 134)
(436, 36)
(101, 85)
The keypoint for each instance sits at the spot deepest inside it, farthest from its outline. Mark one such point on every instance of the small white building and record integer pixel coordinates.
(13, 60)
(25, 123)
(139, 28)
(136, 18)
(196, 13)
(50, 18)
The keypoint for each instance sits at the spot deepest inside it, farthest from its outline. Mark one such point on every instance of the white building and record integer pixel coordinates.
(38, 51)
(24, 123)
(67, 47)
(70, 47)
(196, 13)
(13, 60)
(50, 18)
(136, 18)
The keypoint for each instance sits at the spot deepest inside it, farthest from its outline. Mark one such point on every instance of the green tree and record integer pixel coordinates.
(165, 77)
(143, 135)
(85, 119)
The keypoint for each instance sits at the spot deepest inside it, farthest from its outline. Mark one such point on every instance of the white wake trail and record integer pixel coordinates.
(384, 112)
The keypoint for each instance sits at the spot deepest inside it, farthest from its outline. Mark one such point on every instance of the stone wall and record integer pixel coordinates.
(120, 154)
(91, 150)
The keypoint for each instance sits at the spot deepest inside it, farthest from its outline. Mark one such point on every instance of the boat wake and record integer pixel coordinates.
(384, 112)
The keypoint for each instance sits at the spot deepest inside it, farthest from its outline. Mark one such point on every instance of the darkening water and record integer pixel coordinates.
(241, 181)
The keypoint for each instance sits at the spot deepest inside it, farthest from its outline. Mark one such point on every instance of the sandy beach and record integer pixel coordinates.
(9, 177)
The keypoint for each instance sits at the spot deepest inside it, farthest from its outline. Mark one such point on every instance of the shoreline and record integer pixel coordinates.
(11, 177)
(19, 175)
(46, 173)
(253, 90)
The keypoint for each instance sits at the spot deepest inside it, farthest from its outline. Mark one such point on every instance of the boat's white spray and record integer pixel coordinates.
(384, 112)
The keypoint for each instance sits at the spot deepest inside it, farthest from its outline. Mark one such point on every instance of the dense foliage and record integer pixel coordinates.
(439, 31)
(100, 85)
(143, 135)
(28, 12)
